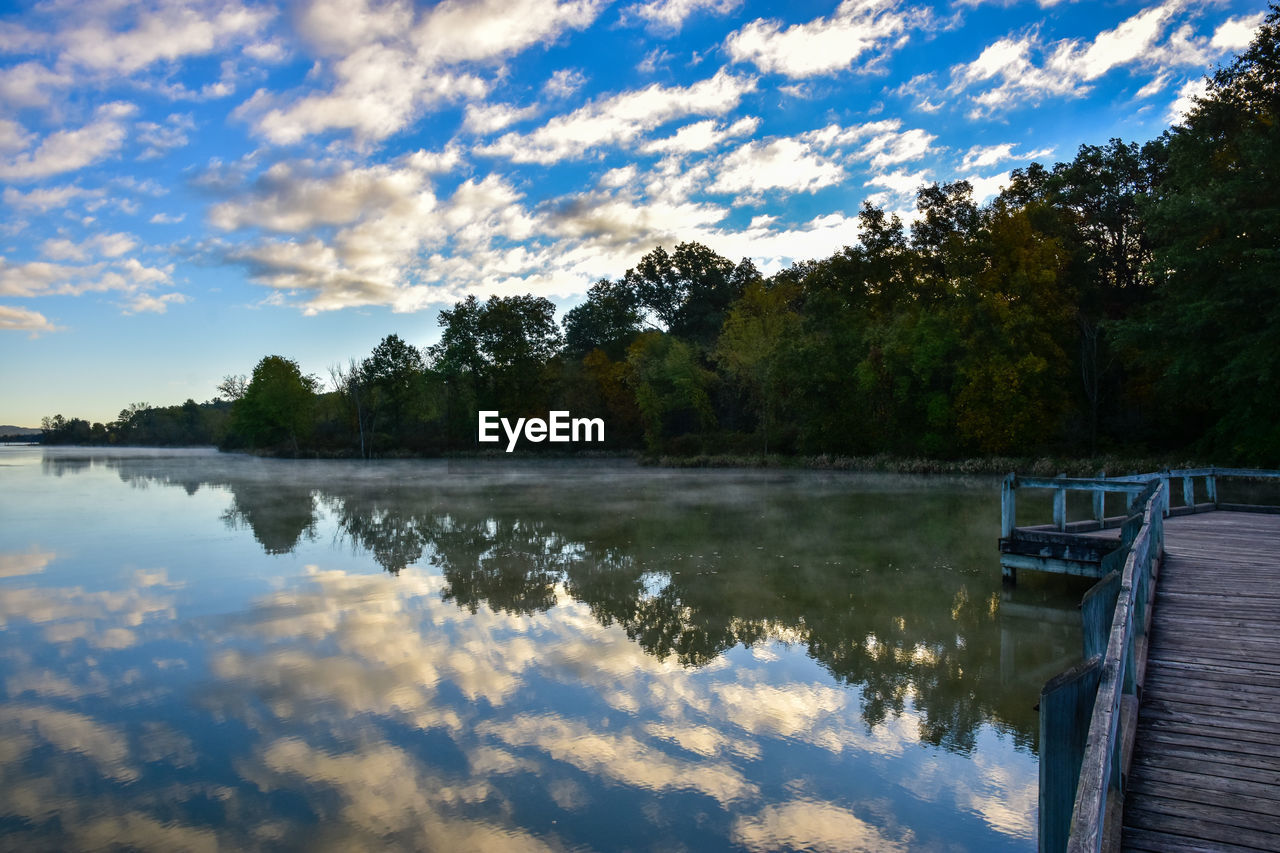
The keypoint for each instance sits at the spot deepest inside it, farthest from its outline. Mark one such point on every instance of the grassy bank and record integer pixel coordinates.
(1044, 466)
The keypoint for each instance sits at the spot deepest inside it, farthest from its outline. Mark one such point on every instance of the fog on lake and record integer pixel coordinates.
(204, 651)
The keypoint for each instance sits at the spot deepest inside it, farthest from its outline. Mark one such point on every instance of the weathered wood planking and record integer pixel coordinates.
(1205, 773)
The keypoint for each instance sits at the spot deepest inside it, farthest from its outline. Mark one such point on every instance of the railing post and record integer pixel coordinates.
(1211, 487)
(1188, 491)
(1008, 505)
(1066, 706)
(1060, 506)
(1164, 478)
(1099, 501)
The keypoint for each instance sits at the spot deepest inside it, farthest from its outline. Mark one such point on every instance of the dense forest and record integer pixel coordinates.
(1127, 301)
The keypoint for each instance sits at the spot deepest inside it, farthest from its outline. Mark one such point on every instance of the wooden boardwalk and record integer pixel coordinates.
(1205, 773)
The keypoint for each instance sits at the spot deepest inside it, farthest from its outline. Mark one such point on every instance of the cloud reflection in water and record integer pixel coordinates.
(519, 685)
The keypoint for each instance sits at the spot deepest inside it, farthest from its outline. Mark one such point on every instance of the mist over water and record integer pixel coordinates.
(201, 650)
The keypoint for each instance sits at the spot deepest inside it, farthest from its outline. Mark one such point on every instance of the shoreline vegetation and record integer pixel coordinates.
(1123, 305)
(1042, 466)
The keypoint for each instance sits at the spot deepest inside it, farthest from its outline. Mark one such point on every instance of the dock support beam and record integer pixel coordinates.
(1060, 506)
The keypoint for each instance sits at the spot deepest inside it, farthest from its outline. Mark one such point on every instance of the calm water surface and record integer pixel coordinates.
(200, 651)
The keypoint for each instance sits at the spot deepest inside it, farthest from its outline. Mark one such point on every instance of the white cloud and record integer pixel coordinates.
(988, 187)
(106, 245)
(162, 138)
(653, 59)
(69, 150)
(1007, 61)
(163, 32)
(387, 69)
(1186, 100)
(484, 119)
(666, 17)
(46, 198)
(619, 177)
(1130, 41)
(266, 51)
(984, 156)
(42, 278)
(295, 197)
(379, 91)
(1008, 73)
(146, 303)
(827, 45)
(167, 218)
(889, 149)
(900, 181)
(489, 29)
(1152, 88)
(564, 83)
(30, 84)
(619, 119)
(13, 136)
(785, 164)
(1235, 34)
(835, 136)
(701, 136)
(23, 320)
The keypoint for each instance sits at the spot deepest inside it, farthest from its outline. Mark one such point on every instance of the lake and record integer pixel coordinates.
(209, 651)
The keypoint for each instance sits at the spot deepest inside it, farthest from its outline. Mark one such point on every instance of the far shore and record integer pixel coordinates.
(1046, 466)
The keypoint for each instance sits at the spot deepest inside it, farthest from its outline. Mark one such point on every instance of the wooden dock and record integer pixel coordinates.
(1205, 771)
(1166, 737)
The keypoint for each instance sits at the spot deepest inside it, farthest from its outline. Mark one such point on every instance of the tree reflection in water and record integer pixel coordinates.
(890, 583)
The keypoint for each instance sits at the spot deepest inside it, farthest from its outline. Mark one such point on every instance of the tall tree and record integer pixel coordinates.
(1214, 225)
(277, 405)
(689, 290)
(672, 388)
(395, 374)
(609, 319)
(762, 328)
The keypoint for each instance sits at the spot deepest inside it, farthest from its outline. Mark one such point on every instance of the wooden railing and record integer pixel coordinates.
(1130, 484)
(1088, 715)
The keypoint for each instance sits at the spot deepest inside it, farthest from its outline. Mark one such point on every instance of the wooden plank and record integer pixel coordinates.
(1156, 704)
(1243, 739)
(1213, 748)
(1166, 842)
(1227, 824)
(1210, 689)
(1217, 836)
(1235, 793)
(1176, 661)
(1212, 772)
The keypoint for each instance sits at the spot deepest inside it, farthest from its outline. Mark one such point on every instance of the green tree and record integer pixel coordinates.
(689, 290)
(395, 376)
(494, 355)
(761, 330)
(1213, 333)
(1016, 317)
(609, 319)
(672, 388)
(277, 405)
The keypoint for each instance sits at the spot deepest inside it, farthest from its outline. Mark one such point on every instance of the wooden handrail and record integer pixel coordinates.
(1103, 769)
(1130, 484)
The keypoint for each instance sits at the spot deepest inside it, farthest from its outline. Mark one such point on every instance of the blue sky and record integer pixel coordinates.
(189, 186)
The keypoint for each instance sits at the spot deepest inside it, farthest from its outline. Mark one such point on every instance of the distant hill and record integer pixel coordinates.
(17, 430)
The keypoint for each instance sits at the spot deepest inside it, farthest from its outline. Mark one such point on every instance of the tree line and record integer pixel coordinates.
(1124, 301)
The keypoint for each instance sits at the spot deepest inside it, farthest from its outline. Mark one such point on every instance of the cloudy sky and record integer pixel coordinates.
(188, 185)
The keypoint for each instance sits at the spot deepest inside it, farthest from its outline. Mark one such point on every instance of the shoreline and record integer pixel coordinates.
(1043, 466)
